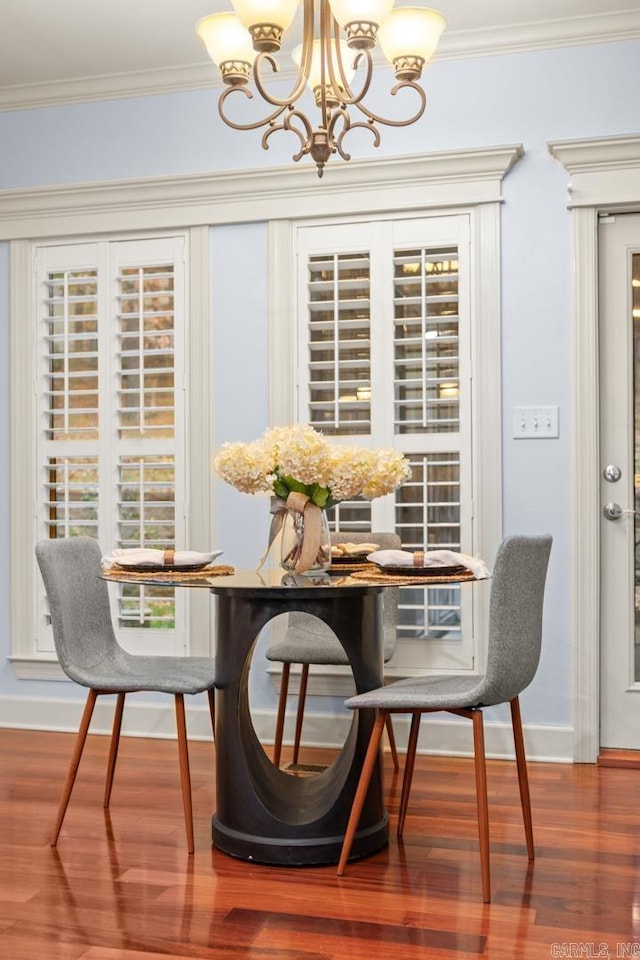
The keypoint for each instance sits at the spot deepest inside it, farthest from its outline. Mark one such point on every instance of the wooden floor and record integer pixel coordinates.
(122, 886)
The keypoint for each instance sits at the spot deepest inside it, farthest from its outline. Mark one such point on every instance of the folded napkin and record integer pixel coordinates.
(432, 558)
(135, 556)
(352, 549)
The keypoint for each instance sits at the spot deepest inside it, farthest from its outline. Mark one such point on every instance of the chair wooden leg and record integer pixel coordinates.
(368, 767)
(211, 695)
(523, 778)
(282, 707)
(81, 737)
(409, 763)
(483, 803)
(302, 698)
(392, 743)
(185, 776)
(113, 749)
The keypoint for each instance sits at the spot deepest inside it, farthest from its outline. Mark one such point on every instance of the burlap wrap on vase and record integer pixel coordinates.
(306, 542)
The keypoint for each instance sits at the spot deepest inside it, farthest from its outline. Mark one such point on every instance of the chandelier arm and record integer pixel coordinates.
(374, 118)
(298, 86)
(287, 125)
(305, 141)
(349, 97)
(325, 61)
(245, 126)
(352, 126)
(341, 115)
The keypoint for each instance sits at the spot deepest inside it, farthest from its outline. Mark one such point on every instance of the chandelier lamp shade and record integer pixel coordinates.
(339, 40)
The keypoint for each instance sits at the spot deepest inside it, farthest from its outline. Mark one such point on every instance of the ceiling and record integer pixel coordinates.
(44, 43)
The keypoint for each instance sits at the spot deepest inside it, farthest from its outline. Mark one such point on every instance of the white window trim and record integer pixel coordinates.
(605, 178)
(486, 384)
(469, 179)
(425, 182)
(26, 662)
(393, 232)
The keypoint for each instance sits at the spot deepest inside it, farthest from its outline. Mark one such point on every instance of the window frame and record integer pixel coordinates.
(27, 661)
(379, 239)
(486, 387)
(110, 447)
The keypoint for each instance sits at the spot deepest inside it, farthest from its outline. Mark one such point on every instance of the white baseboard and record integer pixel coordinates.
(441, 736)
(139, 720)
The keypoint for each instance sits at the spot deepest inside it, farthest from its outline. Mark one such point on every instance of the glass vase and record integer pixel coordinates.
(295, 531)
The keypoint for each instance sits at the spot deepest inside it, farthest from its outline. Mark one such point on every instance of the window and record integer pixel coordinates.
(110, 437)
(384, 359)
(110, 329)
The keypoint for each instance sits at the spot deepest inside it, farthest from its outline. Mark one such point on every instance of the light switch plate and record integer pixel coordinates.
(535, 423)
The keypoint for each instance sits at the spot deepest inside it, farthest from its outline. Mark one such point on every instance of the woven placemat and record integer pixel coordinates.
(400, 580)
(171, 576)
(337, 569)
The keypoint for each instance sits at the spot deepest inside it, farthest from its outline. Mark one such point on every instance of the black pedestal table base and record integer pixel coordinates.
(264, 814)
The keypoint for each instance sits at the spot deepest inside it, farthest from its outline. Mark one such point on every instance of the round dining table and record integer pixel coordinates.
(264, 813)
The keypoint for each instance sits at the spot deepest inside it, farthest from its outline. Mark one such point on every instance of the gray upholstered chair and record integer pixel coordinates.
(89, 653)
(308, 641)
(515, 635)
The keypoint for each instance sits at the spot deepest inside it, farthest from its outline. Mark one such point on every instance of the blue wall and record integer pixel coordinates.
(529, 98)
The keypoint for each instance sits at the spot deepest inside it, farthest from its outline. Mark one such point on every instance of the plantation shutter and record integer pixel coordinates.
(384, 360)
(112, 433)
(339, 343)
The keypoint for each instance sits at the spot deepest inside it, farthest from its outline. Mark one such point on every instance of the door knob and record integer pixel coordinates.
(613, 511)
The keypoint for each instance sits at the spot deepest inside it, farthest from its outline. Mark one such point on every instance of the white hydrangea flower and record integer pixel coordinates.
(286, 458)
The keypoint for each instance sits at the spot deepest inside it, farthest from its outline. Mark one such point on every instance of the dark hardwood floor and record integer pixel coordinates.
(121, 885)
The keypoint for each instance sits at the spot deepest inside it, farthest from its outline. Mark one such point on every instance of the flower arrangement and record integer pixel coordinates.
(306, 474)
(300, 459)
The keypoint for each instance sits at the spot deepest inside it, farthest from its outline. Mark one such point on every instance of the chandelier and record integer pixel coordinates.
(338, 41)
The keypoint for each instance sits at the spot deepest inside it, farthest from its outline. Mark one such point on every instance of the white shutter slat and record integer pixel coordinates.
(146, 336)
(338, 342)
(426, 343)
(70, 342)
(146, 518)
(72, 496)
(428, 519)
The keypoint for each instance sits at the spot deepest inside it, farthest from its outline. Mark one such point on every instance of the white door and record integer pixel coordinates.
(619, 313)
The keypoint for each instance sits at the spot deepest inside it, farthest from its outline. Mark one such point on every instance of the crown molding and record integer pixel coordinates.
(462, 44)
(604, 171)
(432, 180)
(541, 35)
(588, 155)
(115, 86)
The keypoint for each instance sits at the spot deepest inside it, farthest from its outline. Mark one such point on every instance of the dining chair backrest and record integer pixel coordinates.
(78, 603)
(515, 617)
(302, 625)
